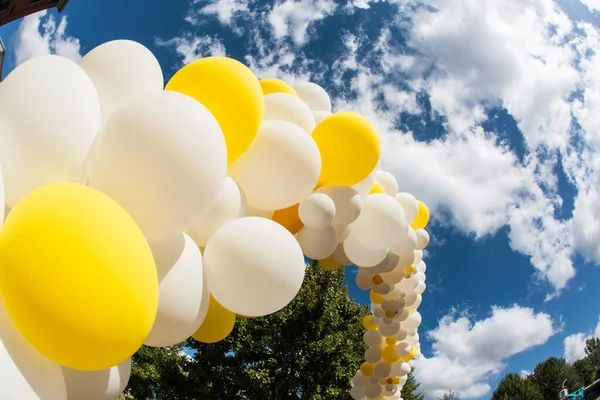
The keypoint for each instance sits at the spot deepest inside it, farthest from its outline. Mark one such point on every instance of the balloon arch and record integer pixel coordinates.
(137, 214)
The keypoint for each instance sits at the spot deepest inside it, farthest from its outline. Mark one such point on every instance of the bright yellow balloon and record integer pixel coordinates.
(329, 264)
(273, 85)
(367, 324)
(409, 270)
(376, 297)
(390, 340)
(389, 354)
(231, 93)
(289, 218)
(217, 325)
(77, 276)
(349, 146)
(367, 369)
(422, 218)
(377, 188)
(409, 357)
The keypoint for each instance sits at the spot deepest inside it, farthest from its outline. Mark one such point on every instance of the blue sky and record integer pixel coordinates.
(488, 110)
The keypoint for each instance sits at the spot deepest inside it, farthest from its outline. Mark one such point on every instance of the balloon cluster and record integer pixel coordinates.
(142, 214)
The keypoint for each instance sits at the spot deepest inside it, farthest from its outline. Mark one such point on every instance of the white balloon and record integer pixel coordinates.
(348, 203)
(122, 70)
(315, 97)
(280, 167)
(407, 243)
(290, 108)
(389, 329)
(373, 390)
(388, 181)
(400, 369)
(403, 315)
(421, 266)
(420, 277)
(180, 307)
(320, 116)
(364, 279)
(422, 239)
(418, 257)
(49, 117)
(387, 265)
(372, 338)
(25, 374)
(401, 335)
(106, 384)
(381, 222)
(410, 299)
(317, 243)
(377, 312)
(394, 276)
(412, 322)
(410, 205)
(357, 392)
(163, 158)
(408, 285)
(362, 255)
(403, 349)
(382, 288)
(364, 187)
(417, 303)
(339, 255)
(254, 212)
(421, 286)
(383, 370)
(343, 232)
(230, 205)
(254, 265)
(317, 210)
(360, 379)
(373, 354)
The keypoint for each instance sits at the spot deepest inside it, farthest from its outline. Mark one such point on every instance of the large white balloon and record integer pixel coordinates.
(383, 370)
(287, 107)
(317, 210)
(373, 390)
(422, 239)
(230, 205)
(348, 203)
(362, 255)
(181, 309)
(406, 244)
(49, 117)
(373, 354)
(25, 374)
(372, 337)
(320, 116)
(280, 168)
(97, 385)
(315, 97)
(388, 181)
(122, 70)
(412, 322)
(387, 265)
(163, 158)
(381, 223)
(317, 243)
(357, 392)
(254, 265)
(410, 205)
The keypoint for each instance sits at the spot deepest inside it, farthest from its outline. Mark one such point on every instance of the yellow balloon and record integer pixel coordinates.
(217, 325)
(377, 188)
(390, 340)
(77, 276)
(329, 264)
(409, 357)
(273, 85)
(367, 369)
(389, 354)
(409, 270)
(367, 324)
(349, 146)
(231, 93)
(289, 218)
(376, 297)
(422, 218)
(396, 380)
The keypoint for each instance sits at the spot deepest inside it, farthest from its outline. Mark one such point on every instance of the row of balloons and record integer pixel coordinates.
(142, 214)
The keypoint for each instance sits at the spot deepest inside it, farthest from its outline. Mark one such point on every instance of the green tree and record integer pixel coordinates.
(550, 374)
(513, 387)
(585, 370)
(592, 352)
(309, 350)
(410, 389)
(449, 396)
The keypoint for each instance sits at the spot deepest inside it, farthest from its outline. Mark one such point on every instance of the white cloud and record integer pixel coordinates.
(225, 10)
(524, 373)
(190, 48)
(592, 5)
(575, 344)
(38, 34)
(467, 354)
(293, 18)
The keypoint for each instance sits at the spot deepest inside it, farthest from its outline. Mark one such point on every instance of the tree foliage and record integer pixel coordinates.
(514, 387)
(592, 352)
(449, 396)
(585, 370)
(410, 391)
(550, 374)
(309, 350)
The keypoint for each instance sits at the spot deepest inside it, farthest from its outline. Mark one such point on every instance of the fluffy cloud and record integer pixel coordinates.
(592, 5)
(39, 34)
(467, 354)
(575, 344)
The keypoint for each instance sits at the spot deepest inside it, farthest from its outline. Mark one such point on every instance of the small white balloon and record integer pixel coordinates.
(373, 354)
(180, 308)
(280, 168)
(408, 285)
(357, 392)
(421, 266)
(421, 286)
(290, 108)
(394, 276)
(390, 329)
(320, 116)
(362, 255)
(317, 210)
(373, 390)
(422, 239)
(49, 118)
(410, 299)
(401, 335)
(122, 70)
(403, 315)
(230, 205)
(407, 243)
(360, 379)
(317, 243)
(340, 256)
(382, 288)
(420, 277)
(348, 203)
(412, 322)
(401, 369)
(410, 205)
(388, 181)
(315, 97)
(372, 338)
(381, 222)
(403, 349)
(364, 279)
(383, 370)
(97, 385)
(364, 187)
(162, 157)
(418, 257)
(254, 265)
